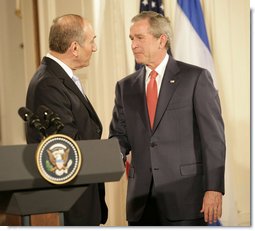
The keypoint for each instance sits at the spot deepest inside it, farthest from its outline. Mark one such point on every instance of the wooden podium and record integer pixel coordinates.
(26, 198)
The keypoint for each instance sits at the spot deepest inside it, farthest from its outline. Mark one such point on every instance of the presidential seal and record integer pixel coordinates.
(58, 159)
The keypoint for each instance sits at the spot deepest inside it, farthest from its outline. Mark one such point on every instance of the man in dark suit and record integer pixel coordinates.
(172, 124)
(71, 44)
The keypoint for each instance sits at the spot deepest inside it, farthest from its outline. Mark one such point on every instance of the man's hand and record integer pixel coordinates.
(212, 206)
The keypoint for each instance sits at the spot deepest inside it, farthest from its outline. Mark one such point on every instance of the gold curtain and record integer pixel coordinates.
(228, 28)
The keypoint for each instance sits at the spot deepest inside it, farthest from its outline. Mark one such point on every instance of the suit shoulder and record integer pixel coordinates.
(43, 80)
(43, 75)
(187, 67)
(132, 76)
(196, 73)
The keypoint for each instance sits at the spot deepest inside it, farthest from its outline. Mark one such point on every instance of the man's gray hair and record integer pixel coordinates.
(159, 25)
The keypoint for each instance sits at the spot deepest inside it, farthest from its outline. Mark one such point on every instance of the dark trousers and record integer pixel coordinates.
(152, 215)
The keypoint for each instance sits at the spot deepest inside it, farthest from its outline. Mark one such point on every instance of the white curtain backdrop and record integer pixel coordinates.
(228, 28)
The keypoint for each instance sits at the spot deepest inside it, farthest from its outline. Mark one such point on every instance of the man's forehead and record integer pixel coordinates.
(140, 32)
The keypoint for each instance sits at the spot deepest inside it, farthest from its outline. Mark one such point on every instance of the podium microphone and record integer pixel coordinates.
(50, 117)
(32, 120)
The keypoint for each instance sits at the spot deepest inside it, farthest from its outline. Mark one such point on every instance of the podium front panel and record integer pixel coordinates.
(101, 162)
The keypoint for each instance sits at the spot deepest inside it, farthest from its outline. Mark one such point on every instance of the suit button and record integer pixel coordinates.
(153, 144)
(98, 131)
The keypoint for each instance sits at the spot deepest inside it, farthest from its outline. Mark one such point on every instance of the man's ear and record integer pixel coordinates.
(74, 47)
(163, 41)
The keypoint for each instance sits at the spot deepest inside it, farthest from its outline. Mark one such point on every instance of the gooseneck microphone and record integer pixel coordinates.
(50, 118)
(32, 120)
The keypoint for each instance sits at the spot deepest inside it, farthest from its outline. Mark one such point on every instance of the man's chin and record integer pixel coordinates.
(138, 61)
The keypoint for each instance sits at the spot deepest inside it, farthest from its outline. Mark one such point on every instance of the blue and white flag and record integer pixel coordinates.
(190, 41)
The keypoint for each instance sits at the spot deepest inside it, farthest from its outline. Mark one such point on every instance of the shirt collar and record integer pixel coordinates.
(67, 69)
(160, 69)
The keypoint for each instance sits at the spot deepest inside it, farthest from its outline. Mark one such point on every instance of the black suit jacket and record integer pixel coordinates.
(52, 87)
(184, 153)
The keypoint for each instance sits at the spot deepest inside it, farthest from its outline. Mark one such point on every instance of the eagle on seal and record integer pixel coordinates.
(58, 155)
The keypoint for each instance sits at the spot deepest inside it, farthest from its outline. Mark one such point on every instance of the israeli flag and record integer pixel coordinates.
(190, 41)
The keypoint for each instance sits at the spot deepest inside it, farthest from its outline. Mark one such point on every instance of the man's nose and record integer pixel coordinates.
(133, 44)
(94, 48)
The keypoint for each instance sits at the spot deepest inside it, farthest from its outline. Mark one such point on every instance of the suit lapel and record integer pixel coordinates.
(69, 83)
(139, 99)
(72, 86)
(169, 84)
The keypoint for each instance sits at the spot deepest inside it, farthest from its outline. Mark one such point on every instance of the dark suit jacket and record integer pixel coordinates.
(185, 150)
(52, 87)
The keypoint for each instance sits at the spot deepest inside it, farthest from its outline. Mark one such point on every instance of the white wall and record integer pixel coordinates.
(12, 71)
(228, 26)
